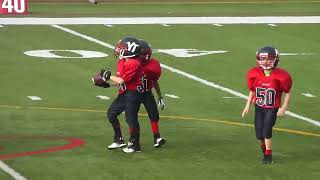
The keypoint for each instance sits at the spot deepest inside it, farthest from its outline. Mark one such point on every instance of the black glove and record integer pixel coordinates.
(105, 74)
(161, 103)
(107, 85)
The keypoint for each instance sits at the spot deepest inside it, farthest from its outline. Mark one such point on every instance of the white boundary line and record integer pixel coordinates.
(164, 20)
(190, 76)
(11, 172)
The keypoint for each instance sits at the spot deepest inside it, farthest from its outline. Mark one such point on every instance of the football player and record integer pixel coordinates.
(128, 77)
(267, 83)
(151, 73)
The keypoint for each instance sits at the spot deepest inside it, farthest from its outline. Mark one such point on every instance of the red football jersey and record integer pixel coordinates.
(131, 73)
(119, 70)
(151, 72)
(268, 90)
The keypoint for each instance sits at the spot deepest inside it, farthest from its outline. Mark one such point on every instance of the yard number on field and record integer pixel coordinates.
(13, 6)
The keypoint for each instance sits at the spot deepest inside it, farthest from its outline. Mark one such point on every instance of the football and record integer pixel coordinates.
(98, 80)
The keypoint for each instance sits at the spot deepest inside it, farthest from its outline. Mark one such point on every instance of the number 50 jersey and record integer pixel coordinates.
(268, 90)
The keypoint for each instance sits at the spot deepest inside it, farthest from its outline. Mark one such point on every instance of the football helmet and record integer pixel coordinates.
(127, 47)
(146, 50)
(267, 57)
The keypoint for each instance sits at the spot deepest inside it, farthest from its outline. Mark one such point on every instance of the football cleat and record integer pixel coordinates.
(267, 159)
(117, 143)
(132, 147)
(159, 142)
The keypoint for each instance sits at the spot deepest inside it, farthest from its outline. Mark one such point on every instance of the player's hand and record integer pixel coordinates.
(281, 112)
(105, 74)
(245, 111)
(161, 103)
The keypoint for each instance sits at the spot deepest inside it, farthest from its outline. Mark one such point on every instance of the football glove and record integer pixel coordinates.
(105, 74)
(107, 85)
(161, 103)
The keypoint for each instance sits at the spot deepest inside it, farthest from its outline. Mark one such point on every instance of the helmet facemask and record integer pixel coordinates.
(267, 58)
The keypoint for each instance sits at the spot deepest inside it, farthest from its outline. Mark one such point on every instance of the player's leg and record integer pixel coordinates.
(133, 101)
(269, 122)
(117, 107)
(258, 124)
(153, 114)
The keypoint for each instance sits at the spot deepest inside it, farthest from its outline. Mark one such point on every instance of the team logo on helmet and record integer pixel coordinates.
(267, 57)
(127, 47)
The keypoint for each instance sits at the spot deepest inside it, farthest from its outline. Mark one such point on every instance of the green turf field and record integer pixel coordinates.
(206, 136)
(176, 8)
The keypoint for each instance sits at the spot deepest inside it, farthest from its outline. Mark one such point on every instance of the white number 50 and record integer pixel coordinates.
(17, 5)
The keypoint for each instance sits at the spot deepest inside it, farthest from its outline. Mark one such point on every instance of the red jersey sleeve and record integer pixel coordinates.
(156, 69)
(286, 82)
(120, 67)
(251, 77)
(130, 68)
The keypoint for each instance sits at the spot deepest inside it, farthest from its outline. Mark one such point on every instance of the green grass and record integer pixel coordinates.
(176, 9)
(199, 146)
(196, 148)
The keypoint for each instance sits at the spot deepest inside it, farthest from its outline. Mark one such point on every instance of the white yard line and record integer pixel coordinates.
(190, 76)
(172, 96)
(219, 25)
(164, 20)
(308, 95)
(34, 98)
(11, 172)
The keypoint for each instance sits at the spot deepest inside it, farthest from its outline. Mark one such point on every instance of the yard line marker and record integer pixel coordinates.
(172, 96)
(219, 25)
(273, 25)
(164, 116)
(103, 97)
(190, 76)
(297, 54)
(11, 172)
(34, 98)
(290, 131)
(308, 95)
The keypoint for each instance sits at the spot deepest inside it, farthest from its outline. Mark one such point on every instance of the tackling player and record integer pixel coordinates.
(266, 83)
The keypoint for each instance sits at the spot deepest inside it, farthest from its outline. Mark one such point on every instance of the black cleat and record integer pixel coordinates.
(267, 159)
(159, 142)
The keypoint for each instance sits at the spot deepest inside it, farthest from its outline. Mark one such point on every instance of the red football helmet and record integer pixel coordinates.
(267, 57)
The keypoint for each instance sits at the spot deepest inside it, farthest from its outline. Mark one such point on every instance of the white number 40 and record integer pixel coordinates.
(17, 5)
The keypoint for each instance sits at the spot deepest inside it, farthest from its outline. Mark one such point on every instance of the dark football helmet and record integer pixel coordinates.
(127, 47)
(267, 57)
(146, 50)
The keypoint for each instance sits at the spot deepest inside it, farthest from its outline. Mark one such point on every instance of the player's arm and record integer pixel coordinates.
(247, 107)
(283, 108)
(117, 80)
(161, 103)
(157, 88)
